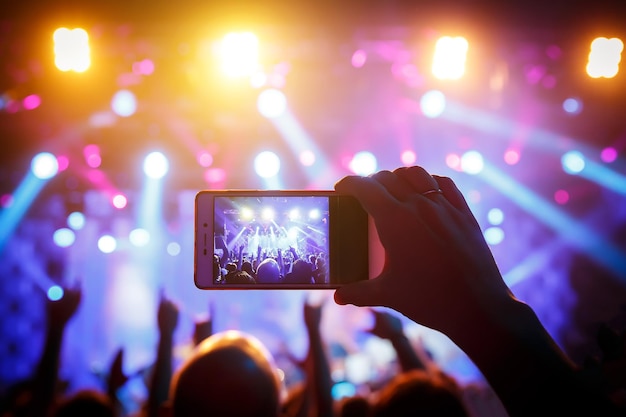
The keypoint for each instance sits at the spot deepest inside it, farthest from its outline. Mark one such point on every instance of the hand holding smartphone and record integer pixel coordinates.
(287, 239)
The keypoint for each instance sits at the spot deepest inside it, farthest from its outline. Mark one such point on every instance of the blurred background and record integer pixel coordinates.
(114, 114)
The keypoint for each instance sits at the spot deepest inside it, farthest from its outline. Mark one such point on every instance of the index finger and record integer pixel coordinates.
(372, 195)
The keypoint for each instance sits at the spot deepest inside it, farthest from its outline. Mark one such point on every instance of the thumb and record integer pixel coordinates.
(364, 293)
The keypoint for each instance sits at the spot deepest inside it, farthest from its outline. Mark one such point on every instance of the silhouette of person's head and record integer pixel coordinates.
(419, 393)
(230, 374)
(268, 272)
(87, 402)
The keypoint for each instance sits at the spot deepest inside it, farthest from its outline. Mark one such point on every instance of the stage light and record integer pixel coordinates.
(267, 164)
(272, 103)
(144, 67)
(573, 162)
(449, 59)
(359, 58)
(63, 237)
(294, 214)
(314, 214)
(608, 155)
(214, 175)
(472, 162)
(495, 216)
(267, 214)
(55, 293)
(494, 235)
(239, 54)
(119, 201)
(124, 103)
(453, 161)
(433, 103)
(139, 237)
(511, 156)
(604, 57)
(92, 156)
(76, 220)
(572, 105)
(155, 165)
(173, 249)
(107, 244)
(408, 158)
(205, 159)
(561, 197)
(31, 102)
(44, 165)
(71, 50)
(246, 213)
(363, 163)
(343, 389)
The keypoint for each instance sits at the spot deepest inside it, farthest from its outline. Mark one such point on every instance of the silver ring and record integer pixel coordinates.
(433, 191)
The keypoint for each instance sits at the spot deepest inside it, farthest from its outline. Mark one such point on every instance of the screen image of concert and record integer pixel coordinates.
(271, 240)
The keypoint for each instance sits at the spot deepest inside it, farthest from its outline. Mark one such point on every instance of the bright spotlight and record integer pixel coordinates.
(573, 162)
(266, 164)
(267, 214)
(314, 214)
(494, 235)
(495, 216)
(139, 237)
(604, 57)
(107, 244)
(472, 162)
(239, 54)
(450, 57)
(247, 213)
(64, 237)
(76, 220)
(271, 103)
(155, 165)
(363, 163)
(71, 50)
(124, 103)
(55, 293)
(44, 165)
(433, 103)
(294, 214)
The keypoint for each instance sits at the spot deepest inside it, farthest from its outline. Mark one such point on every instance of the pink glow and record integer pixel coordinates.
(31, 102)
(511, 156)
(359, 58)
(608, 155)
(408, 158)
(119, 201)
(474, 196)
(561, 196)
(63, 162)
(94, 160)
(145, 67)
(205, 159)
(214, 175)
(453, 161)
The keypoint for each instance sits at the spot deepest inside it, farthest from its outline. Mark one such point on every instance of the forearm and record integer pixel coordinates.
(523, 364)
(321, 379)
(407, 357)
(162, 375)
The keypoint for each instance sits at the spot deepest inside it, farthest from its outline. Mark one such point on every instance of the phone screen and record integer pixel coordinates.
(287, 239)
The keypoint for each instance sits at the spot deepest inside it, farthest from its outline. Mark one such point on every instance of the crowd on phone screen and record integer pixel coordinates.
(270, 267)
(231, 373)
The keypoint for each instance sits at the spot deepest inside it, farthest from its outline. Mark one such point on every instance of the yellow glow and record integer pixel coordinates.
(247, 213)
(604, 57)
(71, 50)
(449, 59)
(239, 54)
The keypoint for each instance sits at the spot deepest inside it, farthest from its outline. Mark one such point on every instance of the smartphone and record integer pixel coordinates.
(285, 239)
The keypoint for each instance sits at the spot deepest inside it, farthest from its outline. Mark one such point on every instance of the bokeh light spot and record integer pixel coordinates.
(44, 165)
(494, 235)
(272, 103)
(107, 244)
(573, 162)
(433, 103)
(561, 197)
(55, 293)
(64, 237)
(608, 155)
(408, 158)
(363, 163)
(119, 201)
(472, 162)
(124, 103)
(266, 164)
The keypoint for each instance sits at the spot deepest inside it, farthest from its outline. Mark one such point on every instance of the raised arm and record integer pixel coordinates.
(440, 272)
